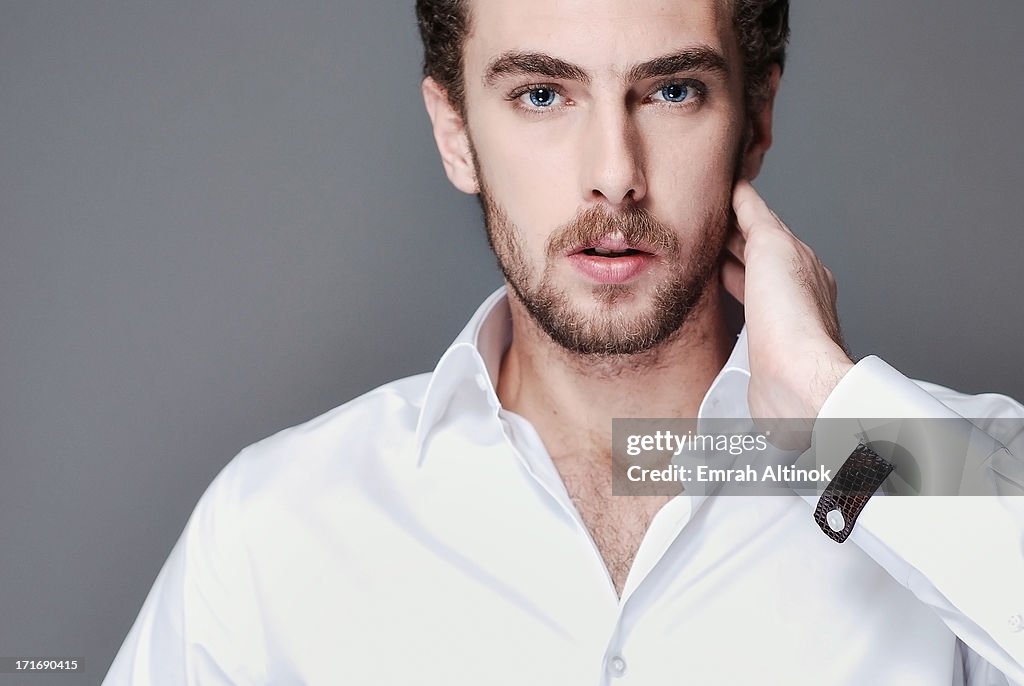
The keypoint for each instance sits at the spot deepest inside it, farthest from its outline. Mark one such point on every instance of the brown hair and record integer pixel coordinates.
(762, 31)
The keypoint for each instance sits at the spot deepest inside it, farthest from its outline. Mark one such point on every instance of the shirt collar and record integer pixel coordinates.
(472, 362)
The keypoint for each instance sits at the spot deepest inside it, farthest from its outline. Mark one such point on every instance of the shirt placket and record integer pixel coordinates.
(666, 525)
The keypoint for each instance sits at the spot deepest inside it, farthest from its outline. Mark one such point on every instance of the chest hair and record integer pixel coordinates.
(617, 524)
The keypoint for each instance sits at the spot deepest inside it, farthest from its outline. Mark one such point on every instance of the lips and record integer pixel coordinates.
(612, 247)
(605, 252)
(612, 260)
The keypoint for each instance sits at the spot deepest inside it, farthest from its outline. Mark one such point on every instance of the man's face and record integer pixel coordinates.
(597, 126)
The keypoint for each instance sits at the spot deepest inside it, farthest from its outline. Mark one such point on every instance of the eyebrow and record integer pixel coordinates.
(699, 58)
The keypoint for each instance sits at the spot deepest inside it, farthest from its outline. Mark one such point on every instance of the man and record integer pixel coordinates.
(459, 527)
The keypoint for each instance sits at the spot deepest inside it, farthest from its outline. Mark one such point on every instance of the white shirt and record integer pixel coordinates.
(420, 534)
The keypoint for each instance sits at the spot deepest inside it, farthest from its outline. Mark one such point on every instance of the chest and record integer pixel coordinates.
(616, 523)
(365, 596)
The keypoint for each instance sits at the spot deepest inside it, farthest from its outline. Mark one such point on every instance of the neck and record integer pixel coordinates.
(571, 399)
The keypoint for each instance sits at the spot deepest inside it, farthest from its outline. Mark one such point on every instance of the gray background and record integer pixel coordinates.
(223, 218)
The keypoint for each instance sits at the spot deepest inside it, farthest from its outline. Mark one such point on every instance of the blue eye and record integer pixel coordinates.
(542, 97)
(675, 92)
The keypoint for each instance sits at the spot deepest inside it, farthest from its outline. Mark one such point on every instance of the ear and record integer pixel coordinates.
(760, 129)
(451, 137)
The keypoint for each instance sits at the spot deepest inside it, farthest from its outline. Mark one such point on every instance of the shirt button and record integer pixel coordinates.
(1016, 623)
(835, 520)
(616, 666)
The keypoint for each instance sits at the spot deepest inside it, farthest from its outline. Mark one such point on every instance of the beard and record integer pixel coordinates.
(610, 330)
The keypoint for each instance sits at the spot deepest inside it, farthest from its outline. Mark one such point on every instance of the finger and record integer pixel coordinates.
(783, 225)
(733, 276)
(751, 210)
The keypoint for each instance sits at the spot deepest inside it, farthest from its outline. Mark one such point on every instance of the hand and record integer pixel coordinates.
(795, 347)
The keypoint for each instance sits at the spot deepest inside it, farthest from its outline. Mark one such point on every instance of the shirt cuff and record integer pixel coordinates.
(961, 556)
(873, 389)
(865, 407)
(935, 450)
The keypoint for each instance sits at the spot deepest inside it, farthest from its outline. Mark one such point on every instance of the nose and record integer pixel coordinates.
(613, 159)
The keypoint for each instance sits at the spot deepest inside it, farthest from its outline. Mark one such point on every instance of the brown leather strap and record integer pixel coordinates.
(849, 491)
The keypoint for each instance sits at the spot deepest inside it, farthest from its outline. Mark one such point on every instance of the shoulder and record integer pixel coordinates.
(328, 453)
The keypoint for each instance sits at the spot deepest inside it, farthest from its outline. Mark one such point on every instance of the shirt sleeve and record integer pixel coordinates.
(200, 622)
(961, 555)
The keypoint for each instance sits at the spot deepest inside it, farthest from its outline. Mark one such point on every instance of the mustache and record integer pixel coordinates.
(636, 224)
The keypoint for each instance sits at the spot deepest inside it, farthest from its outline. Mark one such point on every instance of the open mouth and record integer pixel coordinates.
(604, 252)
(612, 264)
